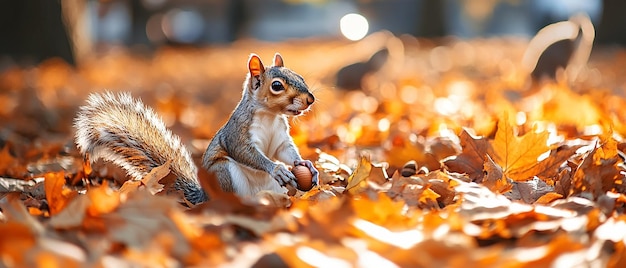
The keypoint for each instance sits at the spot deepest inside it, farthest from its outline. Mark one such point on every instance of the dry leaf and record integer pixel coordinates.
(151, 180)
(515, 153)
(596, 176)
(494, 178)
(548, 168)
(9, 165)
(103, 200)
(73, 215)
(57, 194)
(269, 198)
(472, 158)
(566, 210)
(143, 215)
(548, 198)
(357, 180)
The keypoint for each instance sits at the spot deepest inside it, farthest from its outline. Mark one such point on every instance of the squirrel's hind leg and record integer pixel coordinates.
(222, 172)
(242, 180)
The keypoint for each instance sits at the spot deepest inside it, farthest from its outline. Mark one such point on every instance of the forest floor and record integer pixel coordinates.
(448, 156)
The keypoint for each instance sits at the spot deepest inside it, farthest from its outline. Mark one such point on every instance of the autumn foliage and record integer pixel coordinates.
(450, 156)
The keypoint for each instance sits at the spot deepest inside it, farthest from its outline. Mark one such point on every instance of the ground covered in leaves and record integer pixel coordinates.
(448, 156)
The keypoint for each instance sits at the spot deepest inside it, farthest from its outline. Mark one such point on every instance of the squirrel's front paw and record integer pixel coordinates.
(307, 163)
(283, 176)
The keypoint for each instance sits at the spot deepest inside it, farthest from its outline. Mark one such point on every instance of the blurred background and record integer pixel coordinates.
(33, 30)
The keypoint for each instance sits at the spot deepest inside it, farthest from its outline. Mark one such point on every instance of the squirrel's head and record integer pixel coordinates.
(277, 88)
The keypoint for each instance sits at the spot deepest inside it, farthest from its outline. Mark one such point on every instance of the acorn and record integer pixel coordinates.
(409, 169)
(304, 177)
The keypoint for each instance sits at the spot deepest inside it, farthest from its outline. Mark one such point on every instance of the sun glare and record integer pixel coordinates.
(353, 26)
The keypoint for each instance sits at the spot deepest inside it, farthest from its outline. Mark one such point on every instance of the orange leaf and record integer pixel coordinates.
(549, 167)
(515, 153)
(103, 200)
(57, 195)
(16, 240)
(428, 197)
(357, 181)
(548, 198)
(608, 147)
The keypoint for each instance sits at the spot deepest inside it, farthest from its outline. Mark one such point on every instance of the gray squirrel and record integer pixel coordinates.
(248, 154)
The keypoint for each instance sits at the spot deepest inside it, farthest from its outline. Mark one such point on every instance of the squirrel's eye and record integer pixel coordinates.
(277, 86)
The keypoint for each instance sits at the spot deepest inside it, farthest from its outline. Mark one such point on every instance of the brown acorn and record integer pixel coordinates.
(304, 177)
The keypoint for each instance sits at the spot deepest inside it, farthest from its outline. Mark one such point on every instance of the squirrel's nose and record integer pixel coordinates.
(310, 99)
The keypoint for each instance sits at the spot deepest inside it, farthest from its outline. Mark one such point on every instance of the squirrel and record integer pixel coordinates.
(248, 154)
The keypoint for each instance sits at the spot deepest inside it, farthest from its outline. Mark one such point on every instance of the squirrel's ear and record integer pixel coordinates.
(278, 60)
(255, 65)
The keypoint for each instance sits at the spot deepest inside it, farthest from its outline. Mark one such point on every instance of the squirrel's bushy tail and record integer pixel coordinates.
(120, 129)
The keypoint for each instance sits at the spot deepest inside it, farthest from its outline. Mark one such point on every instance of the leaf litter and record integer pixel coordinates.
(421, 168)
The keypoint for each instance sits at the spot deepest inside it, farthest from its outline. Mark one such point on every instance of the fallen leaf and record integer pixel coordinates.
(103, 200)
(320, 194)
(151, 180)
(378, 174)
(128, 187)
(73, 215)
(402, 149)
(529, 191)
(443, 188)
(494, 178)
(9, 165)
(143, 215)
(428, 198)
(596, 175)
(515, 153)
(608, 147)
(547, 168)
(472, 158)
(57, 194)
(384, 211)
(357, 180)
(274, 199)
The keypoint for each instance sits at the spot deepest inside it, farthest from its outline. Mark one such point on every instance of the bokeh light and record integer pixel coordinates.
(354, 26)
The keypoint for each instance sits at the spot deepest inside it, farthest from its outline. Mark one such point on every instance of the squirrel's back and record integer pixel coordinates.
(120, 129)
